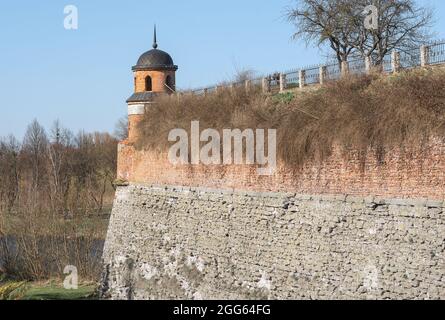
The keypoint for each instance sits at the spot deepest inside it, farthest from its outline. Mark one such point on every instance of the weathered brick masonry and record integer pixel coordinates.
(341, 229)
(416, 173)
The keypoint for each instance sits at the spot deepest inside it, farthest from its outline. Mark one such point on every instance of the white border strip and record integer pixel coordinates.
(136, 109)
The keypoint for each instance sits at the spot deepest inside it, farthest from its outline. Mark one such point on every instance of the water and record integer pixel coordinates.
(90, 250)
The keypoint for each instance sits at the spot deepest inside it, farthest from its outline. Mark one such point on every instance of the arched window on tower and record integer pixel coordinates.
(148, 84)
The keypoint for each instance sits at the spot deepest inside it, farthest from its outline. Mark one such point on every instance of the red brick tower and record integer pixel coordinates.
(154, 74)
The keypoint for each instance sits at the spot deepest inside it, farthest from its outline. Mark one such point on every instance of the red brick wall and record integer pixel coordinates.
(158, 79)
(411, 174)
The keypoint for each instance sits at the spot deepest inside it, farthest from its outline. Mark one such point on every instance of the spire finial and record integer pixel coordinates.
(155, 43)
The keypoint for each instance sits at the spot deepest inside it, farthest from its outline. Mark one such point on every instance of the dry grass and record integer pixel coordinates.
(378, 112)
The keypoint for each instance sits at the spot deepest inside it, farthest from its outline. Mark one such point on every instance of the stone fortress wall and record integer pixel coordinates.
(344, 229)
(352, 227)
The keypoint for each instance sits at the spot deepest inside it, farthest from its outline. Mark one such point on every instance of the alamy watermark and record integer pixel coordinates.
(372, 17)
(371, 278)
(246, 147)
(71, 281)
(71, 20)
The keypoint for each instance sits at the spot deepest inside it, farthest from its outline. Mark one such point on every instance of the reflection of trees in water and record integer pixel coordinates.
(50, 255)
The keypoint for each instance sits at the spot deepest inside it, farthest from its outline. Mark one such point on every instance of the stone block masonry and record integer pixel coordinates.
(190, 243)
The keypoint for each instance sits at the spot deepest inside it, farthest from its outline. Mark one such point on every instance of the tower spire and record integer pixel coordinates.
(155, 42)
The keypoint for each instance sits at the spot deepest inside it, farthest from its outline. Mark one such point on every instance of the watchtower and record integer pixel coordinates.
(154, 74)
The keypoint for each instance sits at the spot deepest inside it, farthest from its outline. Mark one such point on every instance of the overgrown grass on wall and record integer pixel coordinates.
(374, 111)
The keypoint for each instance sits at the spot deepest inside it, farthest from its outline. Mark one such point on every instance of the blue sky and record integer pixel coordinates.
(83, 77)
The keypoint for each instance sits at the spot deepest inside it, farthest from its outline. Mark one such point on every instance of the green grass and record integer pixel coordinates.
(57, 292)
(49, 290)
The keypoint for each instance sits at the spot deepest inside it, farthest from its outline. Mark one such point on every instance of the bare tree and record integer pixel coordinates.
(9, 172)
(59, 151)
(326, 22)
(43, 177)
(401, 25)
(93, 169)
(35, 145)
(105, 148)
(340, 24)
(121, 129)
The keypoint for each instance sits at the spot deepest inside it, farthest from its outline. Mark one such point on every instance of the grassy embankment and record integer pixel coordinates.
(49, 290)
(375, 112)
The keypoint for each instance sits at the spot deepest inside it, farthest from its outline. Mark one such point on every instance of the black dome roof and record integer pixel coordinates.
(155, 59)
